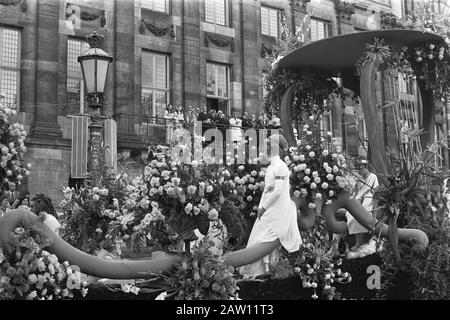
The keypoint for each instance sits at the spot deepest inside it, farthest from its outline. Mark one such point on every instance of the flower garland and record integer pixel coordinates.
(429, 63)
(219, 40)
(157, 31)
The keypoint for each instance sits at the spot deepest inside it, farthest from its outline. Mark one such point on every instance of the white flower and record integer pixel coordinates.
(213, 214)
(302, 157)
(307, 171)
(313, 186)
(325, 153)
(249, 198)
(297, 193)
(209, 188)
(315, 174)
(318, 196)
(331, 193)
(335, 169)
(96, 197)
(188, 208)
(308, 147)
(324, 185)
(329, 169)
(303, 191)
(312, 154)
(317, 180)
(306, 179)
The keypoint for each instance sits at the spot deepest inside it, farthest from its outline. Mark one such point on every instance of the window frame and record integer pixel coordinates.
(80, 79)
(226, 13)
(228, 83)
(327, 28)
(279, 13)
(16, 69)
(167, 89)
(143, 4)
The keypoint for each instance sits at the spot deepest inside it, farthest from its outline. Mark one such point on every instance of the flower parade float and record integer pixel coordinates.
(195, 217)
(369, 52)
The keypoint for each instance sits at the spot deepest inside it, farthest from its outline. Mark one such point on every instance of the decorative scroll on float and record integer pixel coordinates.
(89, 264)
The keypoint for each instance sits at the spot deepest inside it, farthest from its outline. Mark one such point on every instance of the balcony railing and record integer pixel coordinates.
(156, 130)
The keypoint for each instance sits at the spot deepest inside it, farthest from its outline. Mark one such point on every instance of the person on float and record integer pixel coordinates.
(4, 204)
(277, 213)
(42, 206)
(364, 244)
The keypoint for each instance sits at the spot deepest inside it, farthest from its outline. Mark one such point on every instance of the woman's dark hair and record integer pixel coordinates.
(43, 203)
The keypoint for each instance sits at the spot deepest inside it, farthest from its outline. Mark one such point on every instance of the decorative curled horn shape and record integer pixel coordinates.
(286, 115)
(307, 216)
(361, 215)
(89, 264)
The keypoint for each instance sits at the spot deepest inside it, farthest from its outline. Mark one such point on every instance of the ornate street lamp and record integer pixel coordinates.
(94, 66)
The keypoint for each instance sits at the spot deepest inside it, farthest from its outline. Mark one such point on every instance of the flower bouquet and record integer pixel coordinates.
(29, 272)
(12, 147)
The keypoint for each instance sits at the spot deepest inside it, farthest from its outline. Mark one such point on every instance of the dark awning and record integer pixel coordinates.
(338, 54)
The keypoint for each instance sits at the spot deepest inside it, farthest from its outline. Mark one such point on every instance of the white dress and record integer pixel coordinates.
(52, 223)
(365, 195)
(236, 134)
(279, 221)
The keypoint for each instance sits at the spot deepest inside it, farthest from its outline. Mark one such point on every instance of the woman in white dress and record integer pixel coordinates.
(43, 207)
(236, 125)
(277, 213)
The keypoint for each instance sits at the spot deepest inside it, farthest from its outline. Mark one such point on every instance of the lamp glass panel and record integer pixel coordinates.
(102, 71)
(89, 74)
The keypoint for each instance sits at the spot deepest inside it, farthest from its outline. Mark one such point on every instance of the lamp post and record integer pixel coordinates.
(94, 66)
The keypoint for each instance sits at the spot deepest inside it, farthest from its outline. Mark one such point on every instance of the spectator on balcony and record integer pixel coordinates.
(169, 123)
(261, 124)
(246, 121)
(179, 115)
(203, 115)
(236, 124)
(253, 121)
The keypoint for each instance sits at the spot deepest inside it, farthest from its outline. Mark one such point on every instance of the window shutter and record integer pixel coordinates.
(111, 143)
(80, 134)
